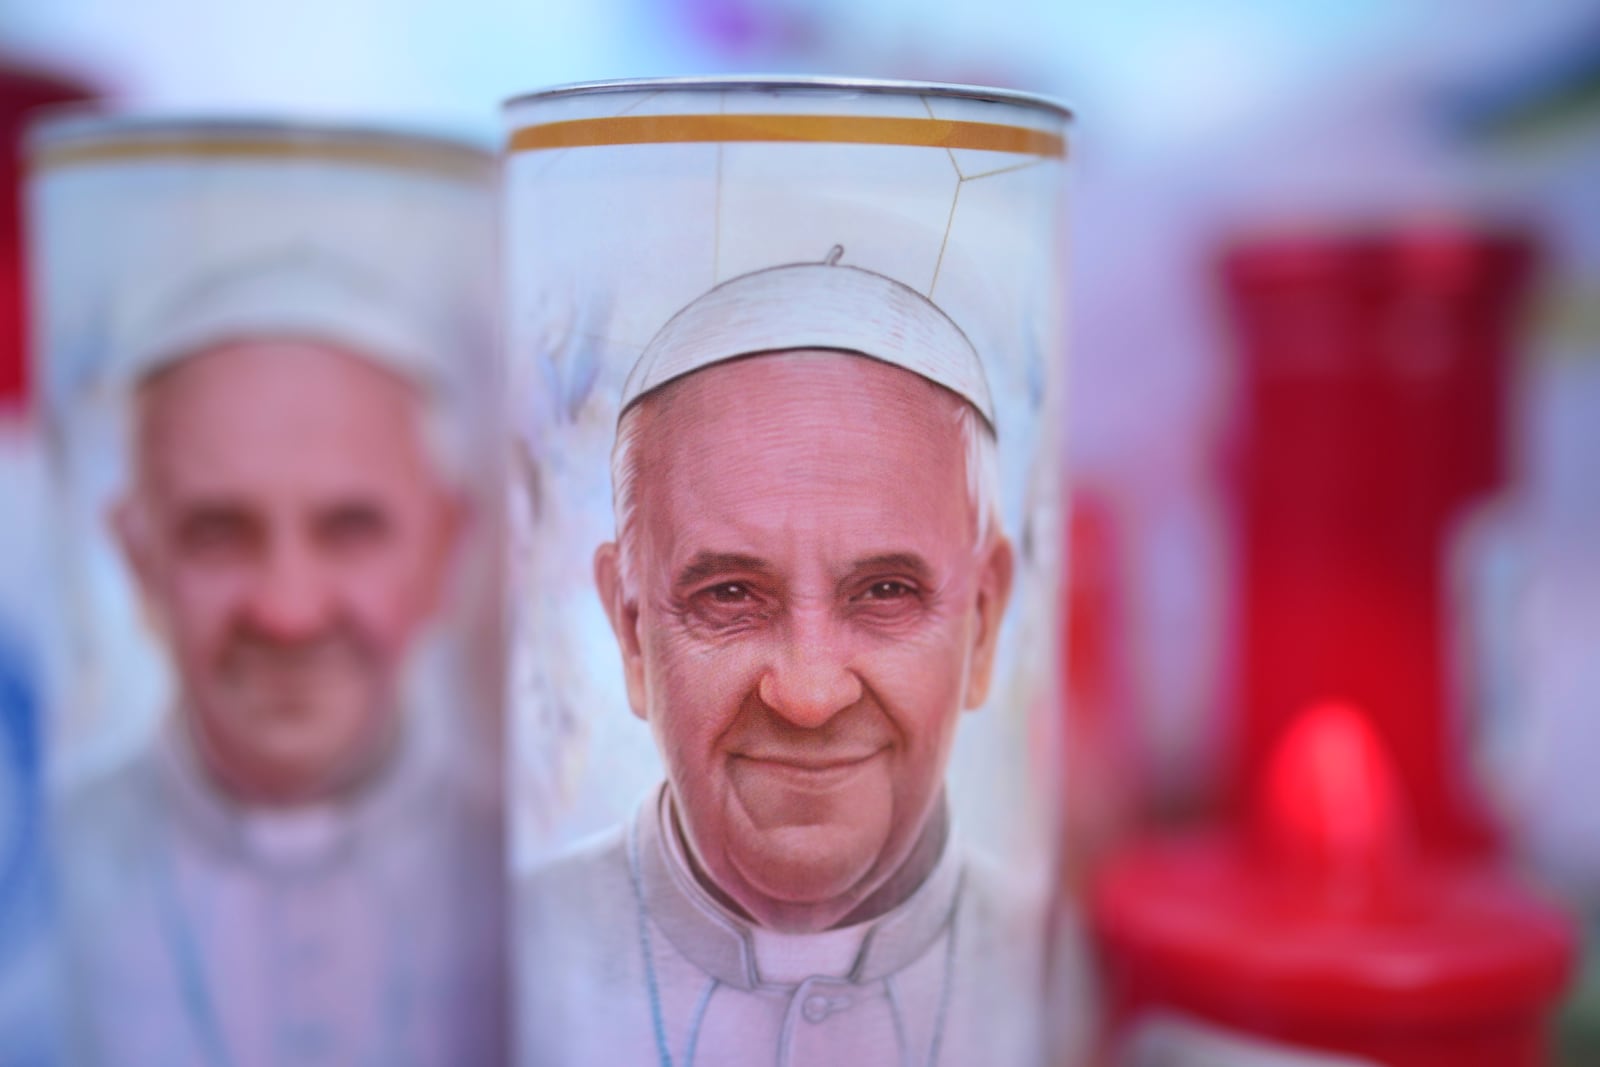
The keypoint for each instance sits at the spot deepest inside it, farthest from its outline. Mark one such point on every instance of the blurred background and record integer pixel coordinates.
(1334, 416)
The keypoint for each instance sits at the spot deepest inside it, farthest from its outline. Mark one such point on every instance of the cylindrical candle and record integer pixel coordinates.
(263, 350)
(783, 364)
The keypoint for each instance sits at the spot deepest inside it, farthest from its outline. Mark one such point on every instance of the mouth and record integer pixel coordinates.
(813, 770)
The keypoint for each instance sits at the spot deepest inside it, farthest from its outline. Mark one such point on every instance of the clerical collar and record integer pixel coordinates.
(730, 949)
(292, 840)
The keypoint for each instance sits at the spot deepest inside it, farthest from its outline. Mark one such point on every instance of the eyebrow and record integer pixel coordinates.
(711, 564)
(209, 507)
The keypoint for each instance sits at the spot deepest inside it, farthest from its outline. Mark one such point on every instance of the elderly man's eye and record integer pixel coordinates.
(730, 593)
(353, 526)
(729, 606)
(215, 533)
(887, 602)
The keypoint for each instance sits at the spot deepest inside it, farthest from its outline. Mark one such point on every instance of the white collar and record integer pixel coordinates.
(730, 949)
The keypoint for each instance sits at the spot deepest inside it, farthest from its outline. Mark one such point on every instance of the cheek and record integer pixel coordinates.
(201, 605)
(921, 681)
(386, 592)
(695, 693)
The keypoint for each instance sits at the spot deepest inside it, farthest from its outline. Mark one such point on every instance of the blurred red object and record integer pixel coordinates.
(1374, 372)
(1319, 931)
(1100, 780)
(22, 89)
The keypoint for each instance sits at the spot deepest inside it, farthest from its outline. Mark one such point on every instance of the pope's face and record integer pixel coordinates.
(808, 613)
(290, 535)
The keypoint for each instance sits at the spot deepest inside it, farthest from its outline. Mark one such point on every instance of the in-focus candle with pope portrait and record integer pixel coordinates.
(784, 366)
(265, 354)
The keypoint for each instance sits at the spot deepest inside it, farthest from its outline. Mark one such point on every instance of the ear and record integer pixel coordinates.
(994, 593)
(455, 515)
(130, 527)
(623, 612)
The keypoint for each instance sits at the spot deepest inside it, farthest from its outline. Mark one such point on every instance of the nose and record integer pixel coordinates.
(291, 599)
(810, 679)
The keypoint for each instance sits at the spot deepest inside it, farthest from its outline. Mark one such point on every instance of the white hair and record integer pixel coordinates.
(979, 447)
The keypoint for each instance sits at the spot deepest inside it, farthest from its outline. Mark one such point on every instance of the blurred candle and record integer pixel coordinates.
(1318, 934)
(1373, 374)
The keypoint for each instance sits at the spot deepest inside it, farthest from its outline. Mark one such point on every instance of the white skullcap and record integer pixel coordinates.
(301, 292)
(814, 305)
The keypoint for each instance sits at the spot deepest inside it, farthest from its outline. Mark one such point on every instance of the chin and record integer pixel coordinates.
(804, 866)
(295, 766)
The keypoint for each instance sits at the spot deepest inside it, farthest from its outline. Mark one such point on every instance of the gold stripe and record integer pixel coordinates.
(817, 129)
(447, 160)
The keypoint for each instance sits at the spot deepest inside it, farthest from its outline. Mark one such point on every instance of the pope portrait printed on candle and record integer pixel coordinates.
(285, 872)
(807, 584)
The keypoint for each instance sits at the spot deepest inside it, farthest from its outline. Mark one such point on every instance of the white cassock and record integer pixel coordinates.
(201, 934)
(626, 959)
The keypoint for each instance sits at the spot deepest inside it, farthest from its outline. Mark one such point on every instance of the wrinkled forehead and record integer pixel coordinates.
(792, 418)
(248, 405)
(801, 387)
